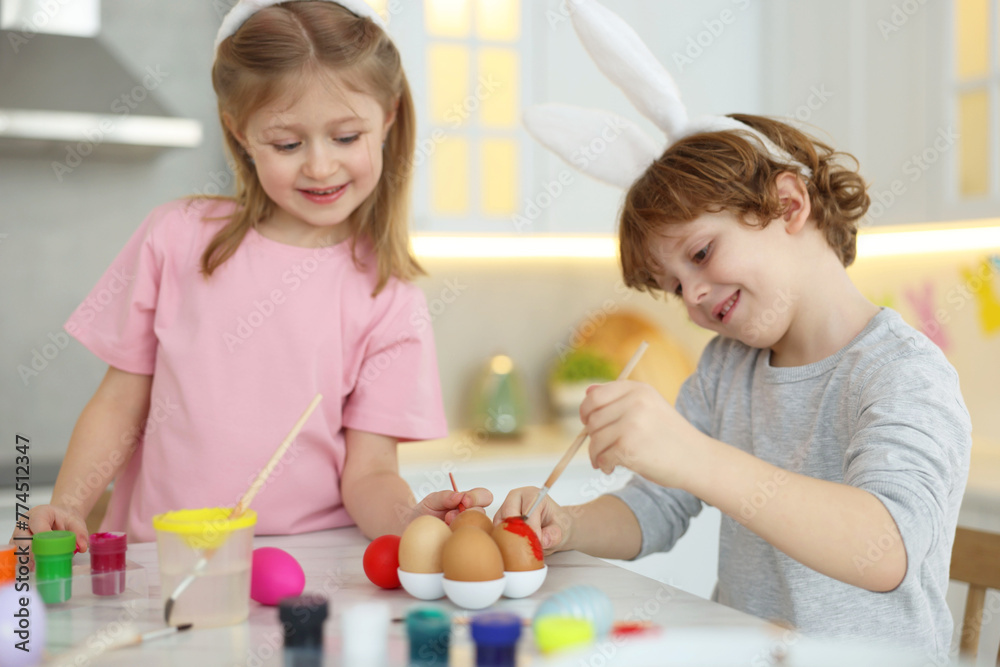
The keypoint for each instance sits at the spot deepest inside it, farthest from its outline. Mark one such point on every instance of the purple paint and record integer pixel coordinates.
(107, 563)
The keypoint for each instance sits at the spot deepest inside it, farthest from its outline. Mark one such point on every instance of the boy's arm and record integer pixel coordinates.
(827, 526)
(838, 530)
(604, 527)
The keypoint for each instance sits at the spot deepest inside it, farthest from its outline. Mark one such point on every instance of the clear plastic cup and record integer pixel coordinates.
(219, 595)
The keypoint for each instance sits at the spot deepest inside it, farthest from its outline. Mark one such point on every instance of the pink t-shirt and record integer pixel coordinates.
(236, 359)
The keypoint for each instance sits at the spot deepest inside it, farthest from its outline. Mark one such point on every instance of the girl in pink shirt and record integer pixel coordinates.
(223, 317)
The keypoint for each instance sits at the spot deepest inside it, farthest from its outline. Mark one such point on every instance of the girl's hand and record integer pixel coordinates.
(551, 522)
(445, 504)
(632, 425)
(42, 518)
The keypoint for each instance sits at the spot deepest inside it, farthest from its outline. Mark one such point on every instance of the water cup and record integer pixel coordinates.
(220, 593)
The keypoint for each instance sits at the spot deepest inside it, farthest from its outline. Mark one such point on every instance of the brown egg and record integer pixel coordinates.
(471, 554)
(473, 518)
(519, 545)
(421, 545)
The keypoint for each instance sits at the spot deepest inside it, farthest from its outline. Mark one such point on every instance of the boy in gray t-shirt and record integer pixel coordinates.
(832, 435)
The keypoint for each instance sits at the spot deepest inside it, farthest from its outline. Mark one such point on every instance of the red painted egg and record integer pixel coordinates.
(381, 561)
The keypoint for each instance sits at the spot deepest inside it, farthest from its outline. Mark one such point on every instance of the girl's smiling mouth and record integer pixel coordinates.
(326, 195)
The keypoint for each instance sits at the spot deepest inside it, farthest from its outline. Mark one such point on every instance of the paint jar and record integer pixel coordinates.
(8, 563)
(429, 630)
(107, 563)
(495, 634)
(53, 551)
(365, 632)
(215, 548)
(302, 619)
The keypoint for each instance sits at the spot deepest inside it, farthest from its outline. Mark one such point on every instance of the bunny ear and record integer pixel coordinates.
(626, 61)
(598, 143)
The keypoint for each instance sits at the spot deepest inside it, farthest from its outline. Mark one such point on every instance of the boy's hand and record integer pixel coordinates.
(632, 425)
(42, 518)
(551, 522)
(445, 504)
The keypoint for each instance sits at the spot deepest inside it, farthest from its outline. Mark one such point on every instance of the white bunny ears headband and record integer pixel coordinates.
(626, 61)
(244, 9)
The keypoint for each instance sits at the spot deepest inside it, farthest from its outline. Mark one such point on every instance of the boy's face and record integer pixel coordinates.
(318, 155)
(734, 280)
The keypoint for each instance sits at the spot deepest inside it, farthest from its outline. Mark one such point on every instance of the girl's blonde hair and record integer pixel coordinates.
(277, 48)
(726, 171)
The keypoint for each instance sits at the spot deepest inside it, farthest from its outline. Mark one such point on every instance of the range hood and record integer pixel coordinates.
(61, 92)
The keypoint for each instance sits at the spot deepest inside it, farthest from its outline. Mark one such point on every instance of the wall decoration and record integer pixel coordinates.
(922, 301)
(980, 282)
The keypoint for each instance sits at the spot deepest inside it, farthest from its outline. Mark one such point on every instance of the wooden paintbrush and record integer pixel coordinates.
(578, 442)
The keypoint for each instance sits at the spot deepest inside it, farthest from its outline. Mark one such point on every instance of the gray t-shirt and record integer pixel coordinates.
(884, 414)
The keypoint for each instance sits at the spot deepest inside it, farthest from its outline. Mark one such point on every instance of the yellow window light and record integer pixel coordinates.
(450, 177)
(497, 88)
(498, 20)
(448, 18)
(498, 176)
(448, 67)
(972, 38)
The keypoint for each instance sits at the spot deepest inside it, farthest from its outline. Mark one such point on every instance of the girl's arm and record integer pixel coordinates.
(379, 500)
(376, 497)
(102, 441)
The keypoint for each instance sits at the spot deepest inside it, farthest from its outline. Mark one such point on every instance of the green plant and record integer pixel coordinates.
(583, 365)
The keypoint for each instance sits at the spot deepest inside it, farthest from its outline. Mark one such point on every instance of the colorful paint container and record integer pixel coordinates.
(429, 630)
(107, 563)
(496, 634)
(302, 619)
(8, 563)
(53, 551)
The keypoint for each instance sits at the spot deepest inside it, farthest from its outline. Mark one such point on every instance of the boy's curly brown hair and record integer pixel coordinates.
(727, 171)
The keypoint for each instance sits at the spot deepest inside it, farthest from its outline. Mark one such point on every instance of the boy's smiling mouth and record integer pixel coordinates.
(721, 310)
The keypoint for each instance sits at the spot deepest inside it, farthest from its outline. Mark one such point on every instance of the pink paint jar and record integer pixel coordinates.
(107, 563)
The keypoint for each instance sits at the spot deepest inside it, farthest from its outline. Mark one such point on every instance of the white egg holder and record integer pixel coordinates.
(473, 595)
(82, 584)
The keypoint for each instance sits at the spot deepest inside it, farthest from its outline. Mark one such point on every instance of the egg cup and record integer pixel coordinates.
(474, 594)
(422, 586)
(523, 584)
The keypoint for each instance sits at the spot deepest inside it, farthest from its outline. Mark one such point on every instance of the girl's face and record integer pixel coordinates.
(318, 156)
(734, 280)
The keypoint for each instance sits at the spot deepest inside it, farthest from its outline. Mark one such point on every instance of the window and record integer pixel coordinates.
(976, 77)
(471, 153)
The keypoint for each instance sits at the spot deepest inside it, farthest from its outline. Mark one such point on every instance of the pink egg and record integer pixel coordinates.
(274, 576)
(20, 622)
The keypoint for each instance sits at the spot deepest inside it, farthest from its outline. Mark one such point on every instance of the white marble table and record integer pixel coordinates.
(332, 563)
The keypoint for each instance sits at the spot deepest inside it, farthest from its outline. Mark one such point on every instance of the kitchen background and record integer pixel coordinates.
(911, 88)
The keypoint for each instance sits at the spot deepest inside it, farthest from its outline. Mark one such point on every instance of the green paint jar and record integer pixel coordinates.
(53, 551)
